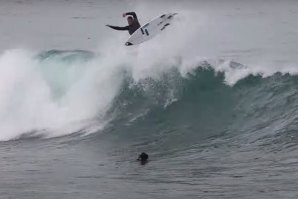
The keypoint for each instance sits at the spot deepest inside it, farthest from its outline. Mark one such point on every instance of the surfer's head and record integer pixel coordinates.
(130, 20)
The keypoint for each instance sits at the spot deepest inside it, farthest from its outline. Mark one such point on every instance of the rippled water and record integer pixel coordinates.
(215, 107)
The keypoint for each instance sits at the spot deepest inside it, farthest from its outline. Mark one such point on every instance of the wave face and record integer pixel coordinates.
(178, 111)
(63, 92)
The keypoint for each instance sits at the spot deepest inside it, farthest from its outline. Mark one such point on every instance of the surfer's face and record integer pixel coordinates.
(129, 20)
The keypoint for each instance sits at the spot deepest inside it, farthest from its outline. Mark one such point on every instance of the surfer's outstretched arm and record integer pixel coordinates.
(118, 28)
(131, 14)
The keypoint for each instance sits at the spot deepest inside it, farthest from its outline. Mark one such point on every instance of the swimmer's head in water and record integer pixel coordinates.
(130, 20)
(143, 157)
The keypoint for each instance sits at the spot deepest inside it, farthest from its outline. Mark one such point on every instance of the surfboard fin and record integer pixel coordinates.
(128, 44)
(165, 26)
(172, 15)
(146, 31)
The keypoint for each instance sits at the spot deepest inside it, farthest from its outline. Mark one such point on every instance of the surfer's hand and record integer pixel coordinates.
(124, 15)
(108, 26)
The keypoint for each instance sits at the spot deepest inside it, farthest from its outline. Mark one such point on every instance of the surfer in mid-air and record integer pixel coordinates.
(133, 23)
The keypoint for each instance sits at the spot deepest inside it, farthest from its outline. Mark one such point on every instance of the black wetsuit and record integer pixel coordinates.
(132, 27)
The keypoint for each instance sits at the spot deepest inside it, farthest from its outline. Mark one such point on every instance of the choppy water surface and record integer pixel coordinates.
(215, 106)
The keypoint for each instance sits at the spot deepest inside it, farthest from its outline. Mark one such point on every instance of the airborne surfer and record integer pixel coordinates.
(133, 23)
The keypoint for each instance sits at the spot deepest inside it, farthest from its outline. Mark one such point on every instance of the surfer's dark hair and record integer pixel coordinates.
(130, 17)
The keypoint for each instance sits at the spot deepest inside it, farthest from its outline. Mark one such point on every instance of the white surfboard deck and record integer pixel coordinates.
(151, 29)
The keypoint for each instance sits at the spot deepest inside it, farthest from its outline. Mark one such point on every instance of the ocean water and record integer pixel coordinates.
(213, 101)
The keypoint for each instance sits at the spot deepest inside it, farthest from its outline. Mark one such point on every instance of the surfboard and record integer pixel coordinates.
(150, 29)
